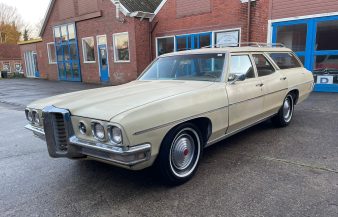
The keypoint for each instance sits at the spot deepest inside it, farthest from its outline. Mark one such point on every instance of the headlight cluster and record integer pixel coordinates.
(111, 133)
(33, 117)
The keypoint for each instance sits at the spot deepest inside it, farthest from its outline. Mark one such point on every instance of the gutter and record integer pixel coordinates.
(249, 21)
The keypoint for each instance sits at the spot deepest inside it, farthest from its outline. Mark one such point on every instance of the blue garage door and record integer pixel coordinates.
(315, 42)
(67, 53)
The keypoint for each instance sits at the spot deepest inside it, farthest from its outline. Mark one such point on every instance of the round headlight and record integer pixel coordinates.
(82, 128)
(115, 135)
(29, 115)
(98, 131)
(35, 117)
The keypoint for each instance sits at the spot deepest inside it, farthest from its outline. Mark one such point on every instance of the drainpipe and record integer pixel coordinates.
(249, 20)
(151, 30)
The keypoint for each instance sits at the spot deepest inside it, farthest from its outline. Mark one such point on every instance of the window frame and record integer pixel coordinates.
(18, 63)
(267, 57)
(170, 36)
(49, 53)
(84, 50)
(7, 63)
(115, 48)
(252, 63)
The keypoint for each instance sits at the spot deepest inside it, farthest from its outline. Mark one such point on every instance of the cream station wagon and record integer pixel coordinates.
(182, 103)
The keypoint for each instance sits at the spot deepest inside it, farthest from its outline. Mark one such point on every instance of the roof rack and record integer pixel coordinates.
(246, 44)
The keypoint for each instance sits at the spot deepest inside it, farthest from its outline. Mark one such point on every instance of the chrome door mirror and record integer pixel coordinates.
(233, 78)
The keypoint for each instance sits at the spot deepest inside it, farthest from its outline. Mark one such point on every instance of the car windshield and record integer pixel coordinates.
(196, 67)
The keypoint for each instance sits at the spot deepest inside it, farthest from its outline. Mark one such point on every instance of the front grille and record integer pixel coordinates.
(60, 132)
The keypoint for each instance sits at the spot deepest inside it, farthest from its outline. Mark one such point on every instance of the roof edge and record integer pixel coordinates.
(30, 41)
(45, 19)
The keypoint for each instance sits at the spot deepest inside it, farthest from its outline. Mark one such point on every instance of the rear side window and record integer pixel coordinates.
(285, 60)
(263, 66)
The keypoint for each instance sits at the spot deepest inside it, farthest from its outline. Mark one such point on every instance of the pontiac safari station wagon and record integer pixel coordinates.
(182, 103)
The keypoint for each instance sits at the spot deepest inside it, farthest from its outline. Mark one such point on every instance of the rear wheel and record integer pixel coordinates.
(285, 114)
(180, 154)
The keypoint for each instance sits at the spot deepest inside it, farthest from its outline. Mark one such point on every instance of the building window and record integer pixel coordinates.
(51, 53)
(121, 47)
(165, 45)
(18, 67)
(6, 66)
(293, 36)
(71, 32)
(2, 37)
(88, 50)
(327, 34)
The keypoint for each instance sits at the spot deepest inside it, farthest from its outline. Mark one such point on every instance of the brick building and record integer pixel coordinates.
(10, 58)
(112, 41)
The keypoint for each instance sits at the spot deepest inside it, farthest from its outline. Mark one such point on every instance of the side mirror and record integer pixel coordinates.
(233, 78)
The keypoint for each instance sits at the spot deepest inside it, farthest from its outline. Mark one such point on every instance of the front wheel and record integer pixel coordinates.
(180, 154)
(285, 114)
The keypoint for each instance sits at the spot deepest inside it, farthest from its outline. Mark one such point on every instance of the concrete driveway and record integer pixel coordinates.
(263, 171)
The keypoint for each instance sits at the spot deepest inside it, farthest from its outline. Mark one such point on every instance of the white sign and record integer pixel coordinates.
(229, 38)
(324, 79)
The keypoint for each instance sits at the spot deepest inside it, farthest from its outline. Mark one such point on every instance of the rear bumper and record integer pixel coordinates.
(119, 155)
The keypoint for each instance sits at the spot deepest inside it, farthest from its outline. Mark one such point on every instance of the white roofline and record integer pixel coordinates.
(51, 2)
(160, 7)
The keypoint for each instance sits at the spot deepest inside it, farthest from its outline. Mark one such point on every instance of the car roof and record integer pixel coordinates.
(229, 50)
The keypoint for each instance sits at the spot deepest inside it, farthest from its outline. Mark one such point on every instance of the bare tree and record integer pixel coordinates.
(9, 15)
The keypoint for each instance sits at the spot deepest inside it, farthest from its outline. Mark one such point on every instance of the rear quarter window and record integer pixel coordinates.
(285, 60)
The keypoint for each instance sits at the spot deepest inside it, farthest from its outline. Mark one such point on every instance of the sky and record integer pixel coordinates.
(31, 11)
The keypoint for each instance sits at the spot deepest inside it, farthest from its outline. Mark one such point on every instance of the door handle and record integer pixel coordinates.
(283, 79)
(260, 85)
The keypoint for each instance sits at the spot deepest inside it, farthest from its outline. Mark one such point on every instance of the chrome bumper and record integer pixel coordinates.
(38, 132)
(127, 156)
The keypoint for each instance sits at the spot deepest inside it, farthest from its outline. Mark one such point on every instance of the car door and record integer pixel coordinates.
(245, 95)
(274, 84)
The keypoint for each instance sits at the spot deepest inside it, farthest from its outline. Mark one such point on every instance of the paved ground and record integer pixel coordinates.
(261, 172)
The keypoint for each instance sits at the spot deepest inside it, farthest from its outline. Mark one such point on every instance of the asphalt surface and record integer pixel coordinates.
(262, 171)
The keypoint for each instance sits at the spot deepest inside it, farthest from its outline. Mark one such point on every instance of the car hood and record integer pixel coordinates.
(106, 103)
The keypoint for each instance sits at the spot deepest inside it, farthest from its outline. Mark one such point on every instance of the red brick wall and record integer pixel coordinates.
(259, 20)
(87, 6)
(188, 7)
(11, 62)
(225, 14)
(10, 53)
(108, 25)
(66, 8)
(294, 8)
(104, 25)
(142, 29)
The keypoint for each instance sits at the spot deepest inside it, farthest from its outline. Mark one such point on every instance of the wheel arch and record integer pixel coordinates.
(204, 124)
(295, 94)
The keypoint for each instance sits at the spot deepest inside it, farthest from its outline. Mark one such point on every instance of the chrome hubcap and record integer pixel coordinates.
(287, 109)
(184, 152)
